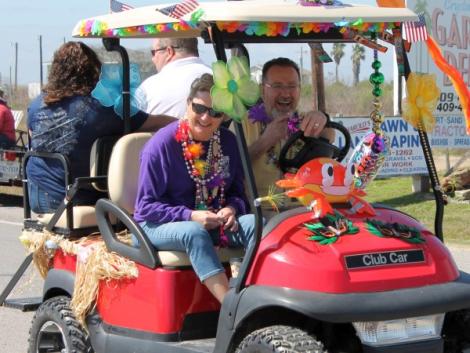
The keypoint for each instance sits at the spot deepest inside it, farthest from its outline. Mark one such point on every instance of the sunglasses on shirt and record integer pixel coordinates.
(201, 109)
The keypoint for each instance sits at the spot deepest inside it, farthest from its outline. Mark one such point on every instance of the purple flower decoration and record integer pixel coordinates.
(257, 113)
(320, 2)
(216, 181)
(293, 123)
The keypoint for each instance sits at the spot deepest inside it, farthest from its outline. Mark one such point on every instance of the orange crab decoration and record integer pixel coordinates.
(323, 181)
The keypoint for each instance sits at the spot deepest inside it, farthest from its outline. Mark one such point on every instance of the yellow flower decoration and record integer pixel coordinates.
(421, 101)
(200, 166)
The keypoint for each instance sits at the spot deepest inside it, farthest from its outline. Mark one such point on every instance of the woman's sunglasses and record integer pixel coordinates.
(201, 109)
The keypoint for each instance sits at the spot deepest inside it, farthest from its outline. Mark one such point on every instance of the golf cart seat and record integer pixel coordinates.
(84, 217)
(123, 175)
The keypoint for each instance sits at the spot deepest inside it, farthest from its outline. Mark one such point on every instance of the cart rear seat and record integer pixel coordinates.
(123, 176)
(84, 216)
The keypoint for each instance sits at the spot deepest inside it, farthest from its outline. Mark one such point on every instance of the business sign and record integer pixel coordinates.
(406, 155)
(448, 22)
(449, 132)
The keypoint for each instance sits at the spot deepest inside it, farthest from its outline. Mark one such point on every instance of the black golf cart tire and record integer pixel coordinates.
(280, 339)
(57, 310)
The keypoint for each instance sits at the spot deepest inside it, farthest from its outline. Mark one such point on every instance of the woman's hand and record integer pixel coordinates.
(228, 214)
(208, 219)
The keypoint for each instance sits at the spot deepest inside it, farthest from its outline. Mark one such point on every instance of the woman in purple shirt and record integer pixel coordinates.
(191, 193)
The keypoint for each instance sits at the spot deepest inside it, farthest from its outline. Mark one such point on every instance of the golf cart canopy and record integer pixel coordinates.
(264, 17)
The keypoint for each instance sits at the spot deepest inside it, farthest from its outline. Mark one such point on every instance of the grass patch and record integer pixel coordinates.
(396, 192)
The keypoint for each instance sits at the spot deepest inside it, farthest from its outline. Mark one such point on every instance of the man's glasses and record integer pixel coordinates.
(201, 109)
(280, 87)
(154, 51)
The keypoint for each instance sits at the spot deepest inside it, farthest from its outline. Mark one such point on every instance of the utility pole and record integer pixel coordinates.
(302, 63)
(9, 86)
(16, 66)
(40, 61)
(318, 84)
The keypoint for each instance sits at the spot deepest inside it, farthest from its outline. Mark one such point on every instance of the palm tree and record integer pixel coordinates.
(337, 52)
(422, 7)
(356, 57)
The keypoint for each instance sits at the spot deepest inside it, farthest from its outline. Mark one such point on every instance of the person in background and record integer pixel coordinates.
(271, 122)
(66, 119)
(191, 194)
(7, 123)
(178, 64)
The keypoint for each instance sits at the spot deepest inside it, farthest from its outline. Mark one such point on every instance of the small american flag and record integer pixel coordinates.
(117, 6)
(179, 10)
(416, 31)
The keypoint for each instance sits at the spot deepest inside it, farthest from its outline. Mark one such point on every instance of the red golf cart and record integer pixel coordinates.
(364, 291)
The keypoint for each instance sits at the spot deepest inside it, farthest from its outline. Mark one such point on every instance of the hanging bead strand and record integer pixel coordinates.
(369, 155)
(376, 79)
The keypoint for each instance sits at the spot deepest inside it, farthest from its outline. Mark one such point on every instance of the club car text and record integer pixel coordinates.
(384, 258)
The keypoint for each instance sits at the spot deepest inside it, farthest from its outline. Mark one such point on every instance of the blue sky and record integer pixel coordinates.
(23, 21)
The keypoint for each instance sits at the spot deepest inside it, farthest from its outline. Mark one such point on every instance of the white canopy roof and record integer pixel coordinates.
(239, 11)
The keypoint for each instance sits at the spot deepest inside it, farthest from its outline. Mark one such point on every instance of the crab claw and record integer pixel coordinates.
(320, 207)
(288, 183)
(298, 192)
(361, 207)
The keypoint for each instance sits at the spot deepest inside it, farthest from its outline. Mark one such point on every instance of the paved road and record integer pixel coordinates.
(14, 325)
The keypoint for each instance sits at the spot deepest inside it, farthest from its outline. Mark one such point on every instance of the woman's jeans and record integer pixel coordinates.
(40, 201)
(198, 242)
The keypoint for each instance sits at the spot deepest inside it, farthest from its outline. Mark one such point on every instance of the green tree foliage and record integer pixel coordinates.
(341, 100)
(337, 52)
(422, 7)
(358, 55)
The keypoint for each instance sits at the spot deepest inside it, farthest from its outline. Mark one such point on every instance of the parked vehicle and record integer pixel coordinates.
(11, 159)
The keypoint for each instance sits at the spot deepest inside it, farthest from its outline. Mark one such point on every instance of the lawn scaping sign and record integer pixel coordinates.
(406, 156)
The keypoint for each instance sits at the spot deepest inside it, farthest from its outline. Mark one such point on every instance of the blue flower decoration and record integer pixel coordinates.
(108, 90)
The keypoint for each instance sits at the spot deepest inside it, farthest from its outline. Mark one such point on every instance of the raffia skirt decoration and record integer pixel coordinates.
(94, 263)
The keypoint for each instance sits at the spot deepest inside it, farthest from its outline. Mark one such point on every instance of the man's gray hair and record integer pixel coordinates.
(186, 45)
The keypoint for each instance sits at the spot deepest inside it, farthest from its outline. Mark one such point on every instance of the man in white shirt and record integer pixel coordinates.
(178, 65)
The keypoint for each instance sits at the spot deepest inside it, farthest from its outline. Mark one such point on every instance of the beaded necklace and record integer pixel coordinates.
(206, 174)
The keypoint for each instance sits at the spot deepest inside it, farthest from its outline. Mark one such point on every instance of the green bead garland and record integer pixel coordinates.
(376, 79)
